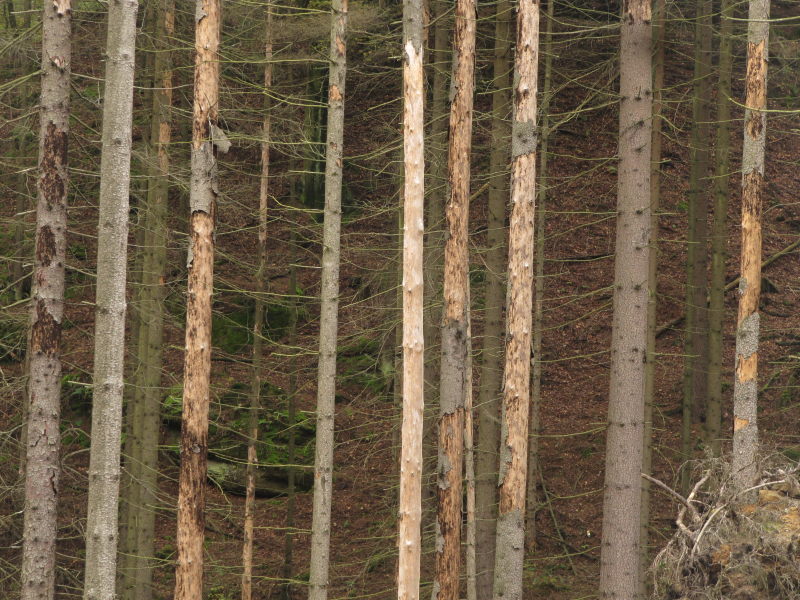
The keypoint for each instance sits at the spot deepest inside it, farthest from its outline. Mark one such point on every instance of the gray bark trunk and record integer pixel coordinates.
(719, 233)
(652, 300)
(109, 347)
(492, 351)
(329, 310)
(619, 555)
(42, 467)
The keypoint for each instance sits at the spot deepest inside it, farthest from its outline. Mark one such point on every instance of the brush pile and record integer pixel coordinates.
(734, 545)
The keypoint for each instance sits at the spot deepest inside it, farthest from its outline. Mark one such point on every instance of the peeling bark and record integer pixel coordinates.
(42, 468)
(197, 359)
(745, 388)
(510, 549)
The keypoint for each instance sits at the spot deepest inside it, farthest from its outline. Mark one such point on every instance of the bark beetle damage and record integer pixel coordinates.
(747, 367)
(334, 95)
(752, 190)
(637, 11)
(756, 88)
(45, 332)
(45, 246)
(739, 423)
(62, 7)
(54, 161)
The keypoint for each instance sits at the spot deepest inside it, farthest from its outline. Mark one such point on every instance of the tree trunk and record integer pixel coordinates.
(258, 326)
(207, 139)
(696, 339)
(510, 549)
(745, 388)
(109, 337)
(455, 381)
(532, 499)
(435, 236)
(329, 310)
(144, 433)
(719, 233)
(410, 506)
(492, 351)
(619, 555)
(659, 29)
(42, 468)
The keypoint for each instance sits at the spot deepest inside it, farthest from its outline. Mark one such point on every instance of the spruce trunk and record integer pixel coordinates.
(109, 337)
(455, 382)
(329, 311)
(492, 350)
(745, 387)
(719, 232)
(207, 139)
(258, 325)
(510, 550)
(696, 338)
(43, 439)
(410, 505)
(619, 555)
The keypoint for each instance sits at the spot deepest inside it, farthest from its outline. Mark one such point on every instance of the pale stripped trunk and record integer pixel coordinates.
(619, 555)
(329, 293)
(492, 351)
(510, 551)
(410, 505)
(197, 359)
(258, 325)
(745, 388)
(532, 493)
(455, 382)
(719, 233)
(42, 468)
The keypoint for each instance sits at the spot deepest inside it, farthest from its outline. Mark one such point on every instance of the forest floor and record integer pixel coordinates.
(577, 319)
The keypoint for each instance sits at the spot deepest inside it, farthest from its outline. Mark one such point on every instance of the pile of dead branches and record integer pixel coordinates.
(733, 545)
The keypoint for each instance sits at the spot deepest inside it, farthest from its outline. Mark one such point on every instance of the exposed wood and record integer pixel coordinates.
(510, 551)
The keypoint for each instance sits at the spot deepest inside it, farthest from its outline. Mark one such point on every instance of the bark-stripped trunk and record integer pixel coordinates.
(455, 381)
(492, 351)
(652, 278)
(42, 467)
(510, 551)
(207, 139)
(532, 500)
(258, 325)
(745, 388)
(109, 337)
(719, 232)
(329, 310)
(696, 340)
(152, 307)
(410, 506)
(619, 555)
